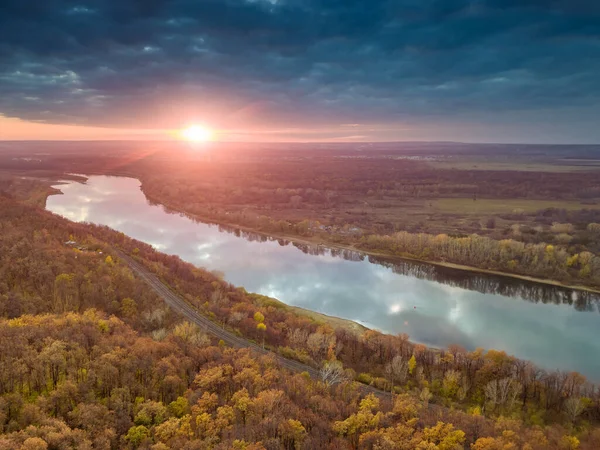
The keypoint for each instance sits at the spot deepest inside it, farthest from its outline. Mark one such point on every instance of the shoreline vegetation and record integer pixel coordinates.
(320, 241)
(337, 321)
(334, 321)
(315, 241)
(41, 194)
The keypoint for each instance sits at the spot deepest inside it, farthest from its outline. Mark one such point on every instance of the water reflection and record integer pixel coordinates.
(473, 281)
(555, 327)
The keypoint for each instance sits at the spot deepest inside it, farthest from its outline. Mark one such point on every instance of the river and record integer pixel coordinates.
(556, 328)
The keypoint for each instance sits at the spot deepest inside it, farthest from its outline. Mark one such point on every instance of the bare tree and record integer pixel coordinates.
(574, 406)
(332, 373)
(491, 392)
(318, 344)
(236, 317)
(503, 392)
(298, 338)
(397, 369)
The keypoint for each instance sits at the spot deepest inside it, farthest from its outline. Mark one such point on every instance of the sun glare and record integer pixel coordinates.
(196, 133)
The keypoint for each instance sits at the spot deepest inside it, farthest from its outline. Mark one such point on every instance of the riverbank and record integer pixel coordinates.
(335, 322)
(319, 241)
(435, 307)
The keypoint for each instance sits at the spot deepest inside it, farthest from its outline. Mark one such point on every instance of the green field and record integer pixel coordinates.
(499, 206)
(515, 166)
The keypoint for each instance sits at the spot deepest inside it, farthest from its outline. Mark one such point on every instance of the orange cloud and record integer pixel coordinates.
(17, 129)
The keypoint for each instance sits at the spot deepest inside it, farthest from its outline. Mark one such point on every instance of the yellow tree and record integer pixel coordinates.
(242, 402)
(293, 434)
(259, 317)
(407, 408)
(129, 307)
(260, 326)
(444, 436)
(412, 364)
(361, 422)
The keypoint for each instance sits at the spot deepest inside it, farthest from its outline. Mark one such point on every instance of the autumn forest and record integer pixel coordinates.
(93, 358)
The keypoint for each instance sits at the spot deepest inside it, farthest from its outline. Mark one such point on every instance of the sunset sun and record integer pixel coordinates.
(197, 133)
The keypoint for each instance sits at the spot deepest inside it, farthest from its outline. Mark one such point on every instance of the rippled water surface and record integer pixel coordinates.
(553, 327)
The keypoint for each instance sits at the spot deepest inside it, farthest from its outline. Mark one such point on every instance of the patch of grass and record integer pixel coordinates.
(498, 206)
(29, 190)
(515, 166)
(334, 322)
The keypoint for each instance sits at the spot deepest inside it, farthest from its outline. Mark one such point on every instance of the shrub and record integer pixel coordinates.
(364, 378)
(562, 227)
(563, 238)
(594, 227)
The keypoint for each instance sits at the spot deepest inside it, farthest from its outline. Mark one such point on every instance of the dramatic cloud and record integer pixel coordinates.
(301, 63)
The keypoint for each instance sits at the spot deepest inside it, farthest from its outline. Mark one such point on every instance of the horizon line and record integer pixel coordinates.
(337, 142)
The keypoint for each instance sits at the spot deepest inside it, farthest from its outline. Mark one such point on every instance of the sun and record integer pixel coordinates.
(197, 133)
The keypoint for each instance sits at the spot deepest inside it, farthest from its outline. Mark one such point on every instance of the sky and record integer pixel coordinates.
(302, 70)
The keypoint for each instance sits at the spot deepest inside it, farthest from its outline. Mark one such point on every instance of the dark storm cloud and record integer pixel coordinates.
(334, 61)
